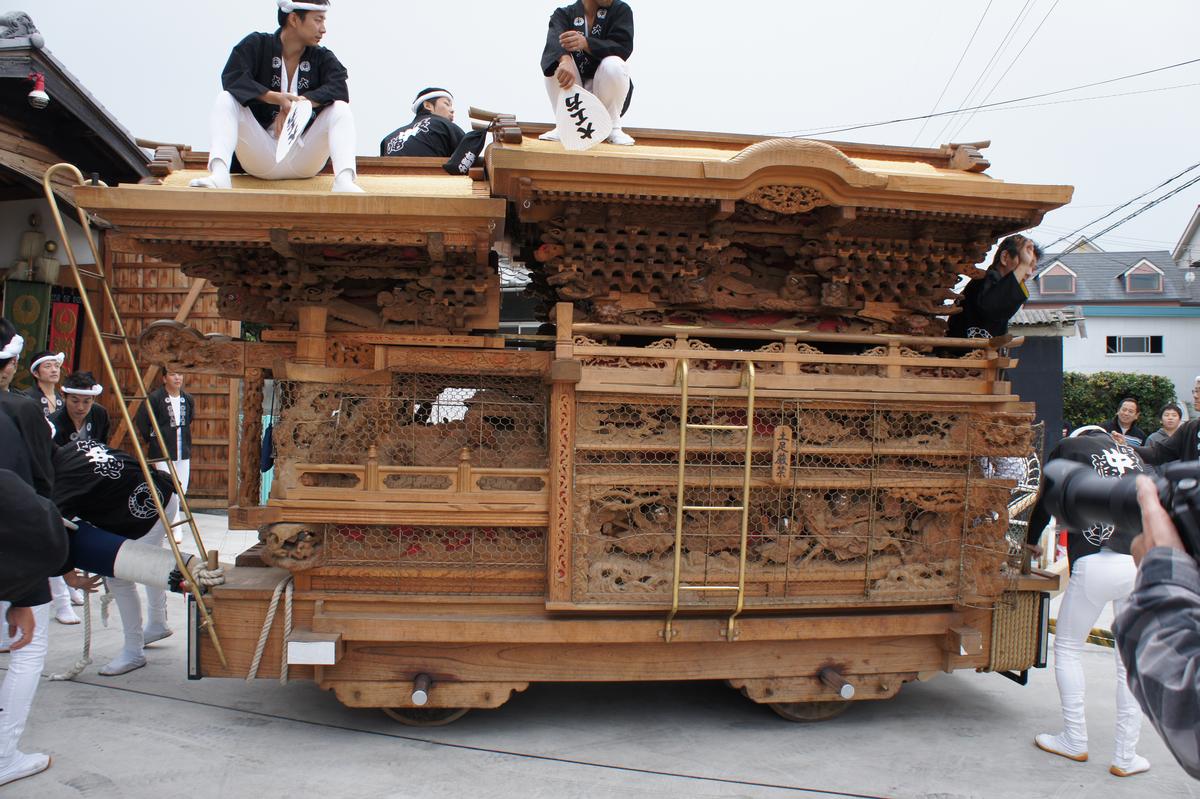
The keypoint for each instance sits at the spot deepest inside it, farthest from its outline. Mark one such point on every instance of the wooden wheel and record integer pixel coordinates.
(809, 711)
(426, 716)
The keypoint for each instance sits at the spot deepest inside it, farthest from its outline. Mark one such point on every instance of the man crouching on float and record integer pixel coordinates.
(266, 75)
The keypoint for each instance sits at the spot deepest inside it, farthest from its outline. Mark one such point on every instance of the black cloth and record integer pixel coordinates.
(35, 435)
(1109, 459)
(254, 68)
(1135, 434)
(468, 153)
(13, 454)
(988, 303)
(95, 426)
(37, 396)
(33, 543)
(427, 136)
(106, 487)
(1183, 446)
(163, 414)
(611, 35)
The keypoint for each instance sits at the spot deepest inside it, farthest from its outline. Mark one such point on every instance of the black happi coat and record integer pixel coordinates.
(1183, 446)
(35, 438)
(988, 303)
(1137, 436)
(253, 70)
(427, 136)
(95, 426)
(37, 396)
(33, 543)
(157, 402)
(1109, 459)
(106, 487)
(611, 34)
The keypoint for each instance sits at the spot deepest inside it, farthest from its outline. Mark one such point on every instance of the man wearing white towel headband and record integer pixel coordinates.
(432, 134)
(81, 419)
(46, 368)
(267, 73)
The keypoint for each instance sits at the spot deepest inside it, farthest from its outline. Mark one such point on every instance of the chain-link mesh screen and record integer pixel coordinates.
(862, 503)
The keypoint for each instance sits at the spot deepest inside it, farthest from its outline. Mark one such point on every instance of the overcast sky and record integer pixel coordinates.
(751, 66)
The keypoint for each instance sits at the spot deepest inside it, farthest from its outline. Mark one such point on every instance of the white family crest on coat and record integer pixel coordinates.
(580, 22)
(1114, 462)
(583, 121)
(141, 504)
(105, 464)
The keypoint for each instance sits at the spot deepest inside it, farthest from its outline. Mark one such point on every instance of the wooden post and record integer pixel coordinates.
(565, 373)
(250, 452)
(310, 338)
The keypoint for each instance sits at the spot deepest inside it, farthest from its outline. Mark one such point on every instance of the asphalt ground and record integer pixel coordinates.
(152, 734)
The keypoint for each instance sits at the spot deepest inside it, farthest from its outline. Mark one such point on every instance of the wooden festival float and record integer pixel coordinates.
(745, 453)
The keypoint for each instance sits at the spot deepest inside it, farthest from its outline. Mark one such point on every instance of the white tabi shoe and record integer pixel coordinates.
(550, 135)
(21, 765)
(76, 596)
(1059, 745)
(122, 664)
(1136, 765)
(212, 182)
(152, 634)
(621, 138)
(344, 183)
(66, 616)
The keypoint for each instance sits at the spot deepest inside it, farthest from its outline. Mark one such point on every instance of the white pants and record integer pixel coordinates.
(611, 85)
(156, 598)
(60, 594)
(21, 683)
(1095, 581)
(234, 127)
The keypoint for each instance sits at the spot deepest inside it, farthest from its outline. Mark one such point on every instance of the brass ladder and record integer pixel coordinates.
(748, 383)
(121, 337)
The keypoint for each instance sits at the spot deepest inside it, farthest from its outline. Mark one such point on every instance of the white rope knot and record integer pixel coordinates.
(85, 659)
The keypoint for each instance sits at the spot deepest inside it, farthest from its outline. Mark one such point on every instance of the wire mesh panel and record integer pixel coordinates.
(850, 504)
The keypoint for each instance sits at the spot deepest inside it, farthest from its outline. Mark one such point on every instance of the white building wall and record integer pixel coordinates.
(14, 220)
(1180, 361)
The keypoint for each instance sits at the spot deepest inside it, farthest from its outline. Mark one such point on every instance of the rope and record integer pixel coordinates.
(1098, 635)
(284, 589)
(85, 659)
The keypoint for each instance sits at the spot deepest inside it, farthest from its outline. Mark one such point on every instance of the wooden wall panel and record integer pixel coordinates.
(147, 291)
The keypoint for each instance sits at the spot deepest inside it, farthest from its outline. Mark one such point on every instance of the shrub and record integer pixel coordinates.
(1092, 399)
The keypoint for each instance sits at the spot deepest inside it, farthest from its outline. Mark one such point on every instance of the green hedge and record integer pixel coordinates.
(1092, 399)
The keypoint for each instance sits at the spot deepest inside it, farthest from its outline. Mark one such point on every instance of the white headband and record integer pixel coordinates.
(1087, 428)
(94, 391)
(424, 98)
(46, 359)
(287, 7)
(13, 348)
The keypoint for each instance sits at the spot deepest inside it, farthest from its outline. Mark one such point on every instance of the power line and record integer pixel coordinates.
(1124, 205)
(987, 68)
(1148, 206)
(862, 125)
(1011, 64)
(1093, 97)
(954, 73)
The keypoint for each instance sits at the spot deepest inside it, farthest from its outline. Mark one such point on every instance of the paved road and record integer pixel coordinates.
(153, 734)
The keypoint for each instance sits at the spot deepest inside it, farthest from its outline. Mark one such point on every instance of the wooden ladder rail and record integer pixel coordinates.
(749, 382)
(126, 419)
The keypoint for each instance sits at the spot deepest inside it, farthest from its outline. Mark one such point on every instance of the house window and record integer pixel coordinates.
(1135, 345)
(1058, 284)
(1146, 281)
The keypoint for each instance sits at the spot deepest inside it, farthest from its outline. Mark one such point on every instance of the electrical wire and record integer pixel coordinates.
(954, 73)
(859, 126)
(987, 68)
(1123, 206)
(1004, 75)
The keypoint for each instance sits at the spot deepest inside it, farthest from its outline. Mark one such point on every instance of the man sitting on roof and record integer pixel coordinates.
(589, 43)
(432, 134)
(268, 73)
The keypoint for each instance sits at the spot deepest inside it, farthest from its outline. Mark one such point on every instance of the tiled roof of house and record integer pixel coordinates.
(1098, 278)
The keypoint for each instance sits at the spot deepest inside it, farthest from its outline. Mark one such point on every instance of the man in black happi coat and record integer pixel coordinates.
(589, 43)
(432, 134)
(267, 73)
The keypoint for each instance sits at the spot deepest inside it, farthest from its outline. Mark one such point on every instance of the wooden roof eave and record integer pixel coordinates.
(773, 162)
(255, 213)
